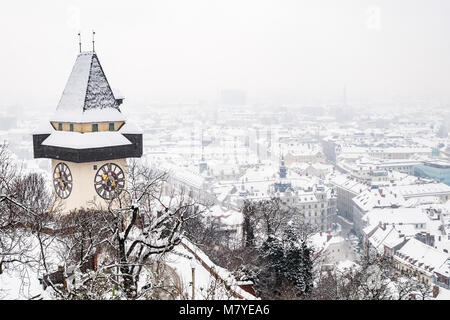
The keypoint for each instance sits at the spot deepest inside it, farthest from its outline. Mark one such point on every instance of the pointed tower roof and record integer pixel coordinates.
(87, 96)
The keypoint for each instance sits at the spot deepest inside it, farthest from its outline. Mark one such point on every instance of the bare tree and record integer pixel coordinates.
(375, 279)
(404, 286)
(104, 253)
(263, 218)
(273, 215)
(423, 290)
(138, 229)
(24, 215)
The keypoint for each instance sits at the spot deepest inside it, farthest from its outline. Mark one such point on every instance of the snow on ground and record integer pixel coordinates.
(21, 284)
(228, 217)
(444, 294)
(346, 265)
(184, 260)
(345, 220)
(21, 281)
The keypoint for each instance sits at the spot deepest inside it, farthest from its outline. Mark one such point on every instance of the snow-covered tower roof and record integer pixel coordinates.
(88, 125)
(87, 96)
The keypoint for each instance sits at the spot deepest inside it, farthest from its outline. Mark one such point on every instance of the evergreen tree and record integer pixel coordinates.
(248, 211)
(297, 262)
(307, 268)
(285, 267)
(270, 277)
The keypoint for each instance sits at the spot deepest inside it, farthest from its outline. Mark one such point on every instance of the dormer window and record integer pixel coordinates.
(94, 127)
(60, 126)
(111, 126)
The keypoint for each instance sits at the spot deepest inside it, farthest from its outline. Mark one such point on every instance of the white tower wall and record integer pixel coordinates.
(83, 193)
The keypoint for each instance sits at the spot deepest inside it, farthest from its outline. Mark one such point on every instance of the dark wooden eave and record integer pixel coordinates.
(133, 150)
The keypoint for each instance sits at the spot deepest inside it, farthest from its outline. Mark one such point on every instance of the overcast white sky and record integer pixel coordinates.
(186, 50)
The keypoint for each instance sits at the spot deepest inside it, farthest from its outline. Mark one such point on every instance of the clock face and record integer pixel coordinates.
(109, 181)
(62, 180)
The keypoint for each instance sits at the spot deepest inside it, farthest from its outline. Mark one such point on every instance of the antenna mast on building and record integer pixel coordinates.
(79, 40)
(93, 41)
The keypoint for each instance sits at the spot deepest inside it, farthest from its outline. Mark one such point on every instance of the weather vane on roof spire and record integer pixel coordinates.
(79, 40)
(93, 40)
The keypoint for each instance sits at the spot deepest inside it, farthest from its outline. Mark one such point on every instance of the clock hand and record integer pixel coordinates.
(111, 180)
(63, 182)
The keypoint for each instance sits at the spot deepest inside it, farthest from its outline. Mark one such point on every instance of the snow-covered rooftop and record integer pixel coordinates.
(373, 198)
(78, 140)
(389, 236)
(425, 189)
(348, 184)
(91, 115)
(423, 256)
(130, 128)
(396, 216)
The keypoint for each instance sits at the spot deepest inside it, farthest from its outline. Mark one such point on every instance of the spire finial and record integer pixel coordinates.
(79, 40)
(93, 40)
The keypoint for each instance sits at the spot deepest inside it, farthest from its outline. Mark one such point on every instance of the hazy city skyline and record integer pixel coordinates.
(175, 51)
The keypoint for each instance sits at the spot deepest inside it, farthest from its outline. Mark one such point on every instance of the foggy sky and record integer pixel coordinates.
(187, 50)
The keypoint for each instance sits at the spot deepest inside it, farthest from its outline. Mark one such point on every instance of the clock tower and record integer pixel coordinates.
(88, 139)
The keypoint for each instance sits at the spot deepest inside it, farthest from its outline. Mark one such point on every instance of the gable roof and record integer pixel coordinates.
(390, 236)
(373, 198)
(422, 256)
(87, 96)
(398, 216)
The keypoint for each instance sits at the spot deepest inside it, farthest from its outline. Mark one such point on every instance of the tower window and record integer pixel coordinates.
(94, 127)
(111, 126)
(71, 127)
(60, 126)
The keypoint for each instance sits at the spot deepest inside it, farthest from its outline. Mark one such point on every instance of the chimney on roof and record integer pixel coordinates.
(435, 291)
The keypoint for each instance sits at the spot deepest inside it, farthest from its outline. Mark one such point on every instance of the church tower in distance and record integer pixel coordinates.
(89, 139)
